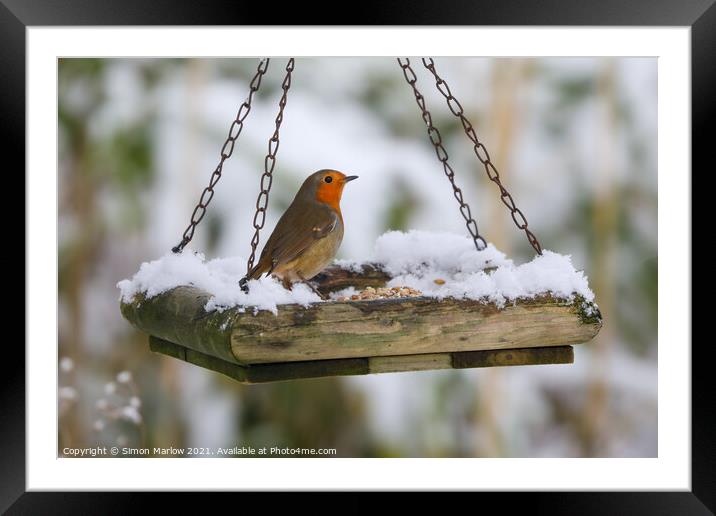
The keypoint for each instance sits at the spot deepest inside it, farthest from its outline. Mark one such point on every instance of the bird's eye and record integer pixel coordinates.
(328, 179)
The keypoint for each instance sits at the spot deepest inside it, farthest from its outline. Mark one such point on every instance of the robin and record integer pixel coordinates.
(307, 236)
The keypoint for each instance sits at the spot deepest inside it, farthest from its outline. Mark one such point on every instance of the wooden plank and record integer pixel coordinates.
(358, 329)
(167, 348)
(178, 316)
(400, 363)
(263, 373)
(406, 326)
(513, 357)
(336, 278)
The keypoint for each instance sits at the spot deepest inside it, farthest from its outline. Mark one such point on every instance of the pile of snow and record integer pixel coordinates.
(219, 277)
(446, 265)
(438, 264)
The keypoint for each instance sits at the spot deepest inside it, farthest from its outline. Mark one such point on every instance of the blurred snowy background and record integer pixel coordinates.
(573, 138)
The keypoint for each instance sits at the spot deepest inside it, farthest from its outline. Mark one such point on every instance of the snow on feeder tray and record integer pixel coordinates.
(450, 302)
(476, 309)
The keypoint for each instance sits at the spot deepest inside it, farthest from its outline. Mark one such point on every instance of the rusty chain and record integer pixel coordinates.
(481, 152)
(433, 134)
(267, 177)
(226, 150)
(436, 140)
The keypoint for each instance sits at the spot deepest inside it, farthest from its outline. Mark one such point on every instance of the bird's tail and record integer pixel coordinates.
(263, 266)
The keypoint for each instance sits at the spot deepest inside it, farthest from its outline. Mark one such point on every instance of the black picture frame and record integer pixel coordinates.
(17, 15)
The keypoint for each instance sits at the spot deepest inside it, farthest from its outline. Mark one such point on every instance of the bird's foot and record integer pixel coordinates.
(310, 285)
(320, 294)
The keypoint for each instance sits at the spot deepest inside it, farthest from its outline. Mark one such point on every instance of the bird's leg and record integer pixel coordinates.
(312, 287)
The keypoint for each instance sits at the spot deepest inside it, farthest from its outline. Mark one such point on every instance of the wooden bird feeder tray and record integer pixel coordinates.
(335, 338)
(362, 336)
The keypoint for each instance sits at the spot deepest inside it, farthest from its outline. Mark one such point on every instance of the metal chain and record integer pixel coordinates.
(226, 150)
(267, 177)
(442, 155)
(481, 152)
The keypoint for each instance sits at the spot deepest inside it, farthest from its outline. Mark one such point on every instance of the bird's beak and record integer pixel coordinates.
(349, 178)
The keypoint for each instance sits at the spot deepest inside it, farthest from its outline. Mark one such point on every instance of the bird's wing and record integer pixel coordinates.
(296, 230)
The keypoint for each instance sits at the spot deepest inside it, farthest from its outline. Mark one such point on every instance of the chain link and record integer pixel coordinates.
(267, 177)
(481, 152)
(226, 150)
(436, 140)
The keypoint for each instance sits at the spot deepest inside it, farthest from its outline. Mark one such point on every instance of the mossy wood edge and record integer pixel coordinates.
(263, 373)
(359, 329)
